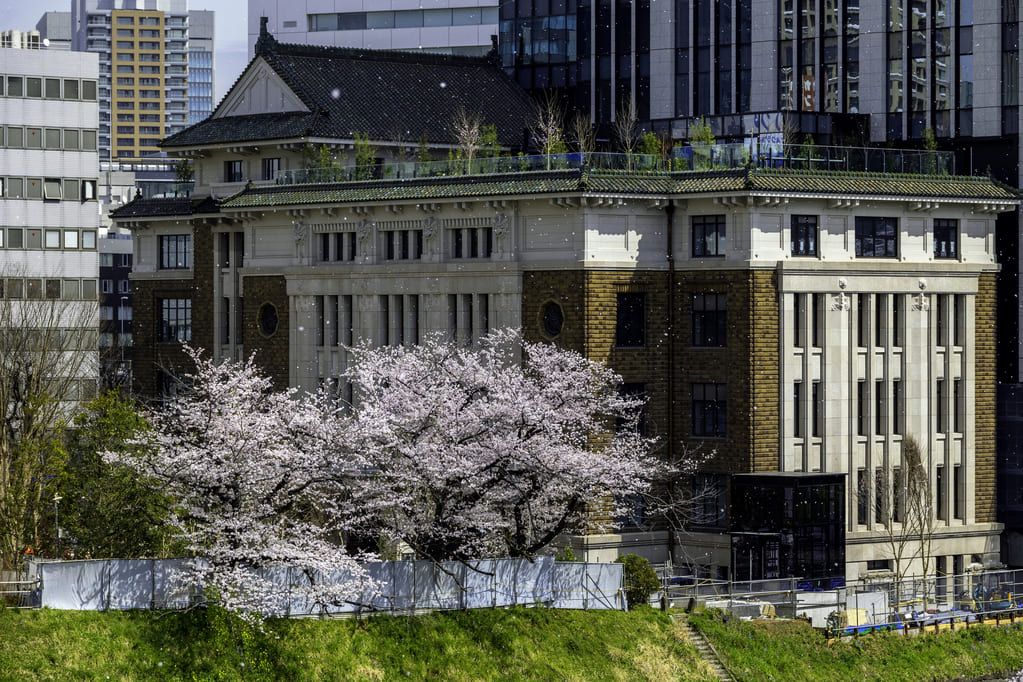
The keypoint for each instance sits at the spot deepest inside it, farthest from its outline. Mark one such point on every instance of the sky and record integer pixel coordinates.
(230, 31)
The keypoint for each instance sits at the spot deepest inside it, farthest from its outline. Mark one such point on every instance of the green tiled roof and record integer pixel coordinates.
(754, 181)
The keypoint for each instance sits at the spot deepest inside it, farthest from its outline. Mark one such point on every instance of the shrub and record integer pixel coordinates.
(640, 579)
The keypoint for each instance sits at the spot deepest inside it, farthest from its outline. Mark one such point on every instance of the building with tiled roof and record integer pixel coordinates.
(292, 95)
(800, 325)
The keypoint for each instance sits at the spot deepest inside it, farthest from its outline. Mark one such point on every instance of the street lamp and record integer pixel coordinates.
(120, 339)
(56, 521)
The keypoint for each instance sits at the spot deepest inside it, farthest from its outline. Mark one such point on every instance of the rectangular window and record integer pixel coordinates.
(52, 88)
(939, 398)
(710, 320)
(896, 301)
(877, 237)
(71, 139)
(817, 320)
(708, 235)
(175, 251)
(53, 289)
(957, 400)
(710, 407)
(946, 238)
(72, 190)
(232, 171)
(880, 313)
(51, 138)
(861, 408)
(880, 492)
(175, 320)
(817, 418)
(879, 407)
(797, 409)
(799, 320)
(862, 497)
(70, 239)
(270, 168)
(957, 492)
(52, 189)
(52, 239)
(804, 235)
(897, 406)
(15, 137)
(898, 495)
(630, 327)
(939, 487)
(940, 314)
(958, 321)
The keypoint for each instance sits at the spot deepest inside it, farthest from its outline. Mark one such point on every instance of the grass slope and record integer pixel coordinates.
(516, 644)
(793, 651)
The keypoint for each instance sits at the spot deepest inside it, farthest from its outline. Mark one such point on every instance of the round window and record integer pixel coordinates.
(268, 319)
(553, 319)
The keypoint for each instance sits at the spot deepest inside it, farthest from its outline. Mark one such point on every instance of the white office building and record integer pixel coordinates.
(462, 27)
(48, 211)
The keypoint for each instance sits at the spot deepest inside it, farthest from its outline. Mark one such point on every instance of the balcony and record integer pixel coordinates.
(685, 159)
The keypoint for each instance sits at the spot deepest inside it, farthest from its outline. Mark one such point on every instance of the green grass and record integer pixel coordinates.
(793, 651)
(515, 644)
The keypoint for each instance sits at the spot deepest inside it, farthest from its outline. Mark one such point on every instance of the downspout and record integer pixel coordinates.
(669, 214)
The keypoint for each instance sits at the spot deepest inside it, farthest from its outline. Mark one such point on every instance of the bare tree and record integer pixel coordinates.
(583, 133)
(48, 364)
(545, 128)
(679, 497)
(625, 127)
(468, 131)
(903, 506)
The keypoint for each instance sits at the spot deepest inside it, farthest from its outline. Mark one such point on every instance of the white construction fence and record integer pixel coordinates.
(401, 586)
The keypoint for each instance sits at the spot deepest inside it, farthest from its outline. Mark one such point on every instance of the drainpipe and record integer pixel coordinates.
(669, 214)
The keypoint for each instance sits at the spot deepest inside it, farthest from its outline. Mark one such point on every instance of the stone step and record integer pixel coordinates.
(704, 648)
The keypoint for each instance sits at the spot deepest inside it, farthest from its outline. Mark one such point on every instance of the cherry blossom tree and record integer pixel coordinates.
(254, 491)
(470, 453)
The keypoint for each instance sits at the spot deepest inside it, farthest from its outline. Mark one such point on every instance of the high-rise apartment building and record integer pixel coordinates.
(200, 65)
(460, 27)
(144, 50)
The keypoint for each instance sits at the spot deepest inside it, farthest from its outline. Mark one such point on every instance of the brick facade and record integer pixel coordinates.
(270, 351)
(748, 364)
(984, 395)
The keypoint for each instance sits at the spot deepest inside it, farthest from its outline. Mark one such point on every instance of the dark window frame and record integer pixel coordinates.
(877, 237)
(712, 227)
(175, 251)
(630, 323)
(175, 320)
(709, 410)
(710, 320)
(946, 238)
(803, 235)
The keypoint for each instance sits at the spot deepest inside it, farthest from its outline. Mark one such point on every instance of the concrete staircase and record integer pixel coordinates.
(704, 648)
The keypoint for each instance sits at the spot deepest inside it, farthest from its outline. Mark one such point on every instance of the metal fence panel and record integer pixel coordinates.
(131, 584)
(568, 583)
(478, 586)
(74, 585)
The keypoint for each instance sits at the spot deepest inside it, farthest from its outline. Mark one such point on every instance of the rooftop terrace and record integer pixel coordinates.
(695, 158)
